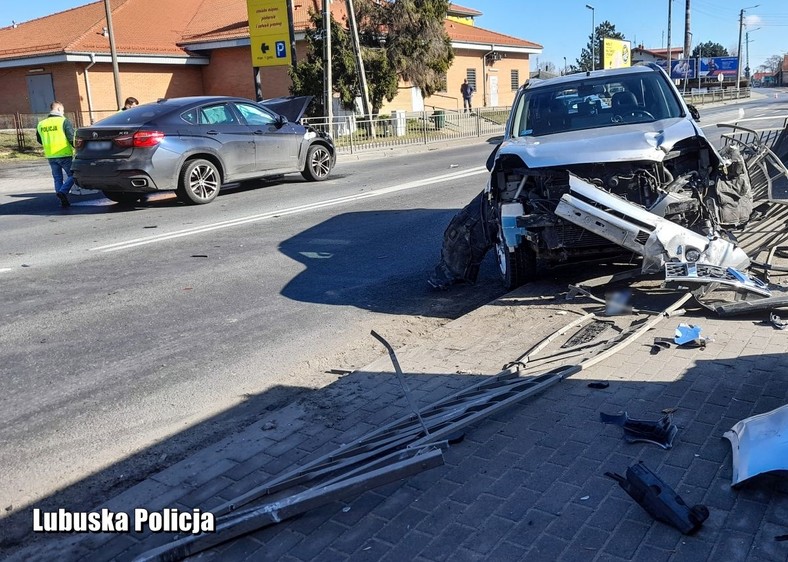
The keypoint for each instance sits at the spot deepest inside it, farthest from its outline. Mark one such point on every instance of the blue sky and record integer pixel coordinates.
(563, 26)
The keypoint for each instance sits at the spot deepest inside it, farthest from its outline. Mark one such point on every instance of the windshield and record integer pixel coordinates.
(590, 103)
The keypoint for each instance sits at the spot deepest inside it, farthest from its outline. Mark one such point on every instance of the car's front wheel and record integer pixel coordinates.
(123, 197)
(517, 267)
(199, 182)
(318, 163)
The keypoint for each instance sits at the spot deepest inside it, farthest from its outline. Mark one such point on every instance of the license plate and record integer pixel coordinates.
(99, 145)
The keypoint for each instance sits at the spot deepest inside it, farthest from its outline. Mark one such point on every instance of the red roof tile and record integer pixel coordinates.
(475, 34)
(80, 29)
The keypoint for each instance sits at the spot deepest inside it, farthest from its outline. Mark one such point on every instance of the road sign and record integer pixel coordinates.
(720, 77)
(269, 32)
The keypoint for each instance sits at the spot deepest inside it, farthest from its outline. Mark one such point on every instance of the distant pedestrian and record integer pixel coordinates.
(467, 92)
(56, 134)
(129, 103)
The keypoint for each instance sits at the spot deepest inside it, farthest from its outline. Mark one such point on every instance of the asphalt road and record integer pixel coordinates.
(132, 336)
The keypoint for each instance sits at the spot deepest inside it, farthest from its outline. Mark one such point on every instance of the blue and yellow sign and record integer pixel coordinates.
(269, 32)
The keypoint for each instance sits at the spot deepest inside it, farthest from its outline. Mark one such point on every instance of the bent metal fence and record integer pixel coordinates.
(352, 133)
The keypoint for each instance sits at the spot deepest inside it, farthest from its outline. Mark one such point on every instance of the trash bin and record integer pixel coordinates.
(440, 118)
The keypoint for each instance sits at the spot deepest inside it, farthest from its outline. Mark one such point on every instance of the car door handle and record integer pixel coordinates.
(212, 132)
(259, 132)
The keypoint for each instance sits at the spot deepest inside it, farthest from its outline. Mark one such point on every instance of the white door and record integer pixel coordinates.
(418, 99)
(493, 90)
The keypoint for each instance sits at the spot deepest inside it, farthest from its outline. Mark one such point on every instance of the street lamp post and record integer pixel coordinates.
(112, 52)
(593, 37)
(738, 53)
(747, 50)
(564, 66)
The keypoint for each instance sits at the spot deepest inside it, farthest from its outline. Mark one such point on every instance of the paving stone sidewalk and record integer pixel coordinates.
(525, 484)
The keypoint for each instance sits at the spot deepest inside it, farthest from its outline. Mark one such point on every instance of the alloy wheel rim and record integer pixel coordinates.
(203, 182)
(321, 163)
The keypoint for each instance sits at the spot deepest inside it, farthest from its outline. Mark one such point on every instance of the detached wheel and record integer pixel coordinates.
(318, 163)
(123, 197)
(518, 267)
(199, 182)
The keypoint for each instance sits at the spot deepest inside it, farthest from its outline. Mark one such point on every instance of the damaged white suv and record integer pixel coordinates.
(624, 167)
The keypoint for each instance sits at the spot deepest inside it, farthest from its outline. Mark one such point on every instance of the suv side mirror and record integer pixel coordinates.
(694, 112)
(281, 121)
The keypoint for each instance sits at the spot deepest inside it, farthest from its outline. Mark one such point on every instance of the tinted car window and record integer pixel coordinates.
(254, 115)
(138, 115)
(190, 116)
(219, 114)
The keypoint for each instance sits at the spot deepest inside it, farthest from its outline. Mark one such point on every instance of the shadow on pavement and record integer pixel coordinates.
(532, 471)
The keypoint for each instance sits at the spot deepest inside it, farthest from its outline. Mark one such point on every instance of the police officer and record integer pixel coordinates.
(56, 134)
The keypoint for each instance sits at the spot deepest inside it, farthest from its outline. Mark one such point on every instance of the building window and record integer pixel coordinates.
(470, 75)
(515, 80)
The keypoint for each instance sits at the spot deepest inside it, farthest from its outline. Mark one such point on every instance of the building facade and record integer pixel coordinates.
(202, 47)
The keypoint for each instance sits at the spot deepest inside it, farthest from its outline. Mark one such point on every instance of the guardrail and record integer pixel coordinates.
(353, 134)
(711, 96)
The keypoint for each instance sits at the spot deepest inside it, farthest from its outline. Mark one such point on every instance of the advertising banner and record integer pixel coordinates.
(269, 32)
(681, 69)
(710, 67)
(713, 66)
(615, 53)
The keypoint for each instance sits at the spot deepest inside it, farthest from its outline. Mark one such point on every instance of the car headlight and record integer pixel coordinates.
(309, 135)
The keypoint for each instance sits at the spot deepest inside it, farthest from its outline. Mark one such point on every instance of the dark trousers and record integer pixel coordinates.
(466, 104)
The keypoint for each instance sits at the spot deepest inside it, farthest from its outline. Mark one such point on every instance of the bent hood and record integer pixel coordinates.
(292, 107)
(619, 143)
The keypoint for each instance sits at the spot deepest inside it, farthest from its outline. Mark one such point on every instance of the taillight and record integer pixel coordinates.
(140, 139)
(79, 143)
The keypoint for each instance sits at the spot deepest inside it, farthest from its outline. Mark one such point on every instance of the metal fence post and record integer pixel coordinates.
(351, 130)
(20, 132)
(424, 124)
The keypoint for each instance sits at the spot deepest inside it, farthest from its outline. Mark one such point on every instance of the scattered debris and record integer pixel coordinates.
(777, 322)
(669, 410)
(660, 432)
(587, 334)
(339, 371)
(598, 384)
(268, 426)
(584, 498)
(759, 444)
(689, 336)
(660, 344)
(659, 500)
(199, 255)
(151, 226)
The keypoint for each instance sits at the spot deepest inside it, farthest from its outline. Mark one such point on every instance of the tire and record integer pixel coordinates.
(517, 267)
(199, 183)
(318, 163)
(123, 197)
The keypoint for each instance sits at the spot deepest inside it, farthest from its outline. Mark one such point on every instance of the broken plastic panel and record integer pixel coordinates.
(657, 239)
(759, 444)
(659, 499)
(660, 432)
(706, 274)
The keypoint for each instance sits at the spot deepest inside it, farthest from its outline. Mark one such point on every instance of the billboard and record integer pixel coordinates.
(710, 67)
(713, 66)
(269, 32)
(615, 53)
(680, 69)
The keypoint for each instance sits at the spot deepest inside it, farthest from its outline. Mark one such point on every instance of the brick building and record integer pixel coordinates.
(196, 47)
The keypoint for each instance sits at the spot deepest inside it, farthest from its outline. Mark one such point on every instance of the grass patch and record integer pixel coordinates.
(9, 147)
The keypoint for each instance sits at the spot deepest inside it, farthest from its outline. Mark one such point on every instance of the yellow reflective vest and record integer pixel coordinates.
(53, 137)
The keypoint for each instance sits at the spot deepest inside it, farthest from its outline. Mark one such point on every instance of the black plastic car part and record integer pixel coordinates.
(659, 499)
(660, 432)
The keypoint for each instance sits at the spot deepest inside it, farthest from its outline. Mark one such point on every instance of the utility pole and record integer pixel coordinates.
(670, 21)
(687, 32)
(328, 83)
(113, 53)
(362, 76)
(738, 53)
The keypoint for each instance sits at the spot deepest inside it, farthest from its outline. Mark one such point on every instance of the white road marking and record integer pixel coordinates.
(290, 211)
(6, 269)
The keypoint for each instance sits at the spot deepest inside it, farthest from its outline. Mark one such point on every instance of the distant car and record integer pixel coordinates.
(195, 145)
